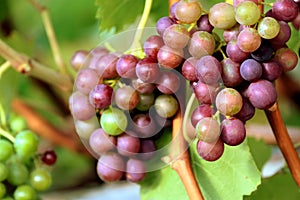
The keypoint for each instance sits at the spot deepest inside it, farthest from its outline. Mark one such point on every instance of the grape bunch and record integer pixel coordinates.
(23, 172)
(123, 101)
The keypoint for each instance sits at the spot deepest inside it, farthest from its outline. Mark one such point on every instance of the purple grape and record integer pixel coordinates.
(233, 131)
(202, 111)
(188, 69)
(125, 66)
(251, 70)
(172, 10)
(110, 167)
(147, 70)
(231, 73)
(142, 87)
(204, 93)
(164, 23)
(169, 58)
(128, 145)
(208, 130)
(287, 59)
(249, 40)
(135, 170)
(168, 82)
(176, 36)
(99, 51)
(210, 151)
(126, 97)
(152, 45)
(264, 52)
(78, 59)
(144, 125)
(247, 111)
(234, 52)
(296, 22)
(231, 34)
(285, 10)
(208, 69)
(203, 24)
(100, 142)
(101, 96)
(271, 70)
(201, 44)
(86, 80)
(80, 106)
(261, 94)
(147, 149)
(106, 66)
(283, 35)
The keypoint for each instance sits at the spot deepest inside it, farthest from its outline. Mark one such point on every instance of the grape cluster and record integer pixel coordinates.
(23, 172)
(123, 101)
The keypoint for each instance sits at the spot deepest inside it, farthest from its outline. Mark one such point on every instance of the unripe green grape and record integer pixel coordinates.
(3, 172)
(17, 174)
(24, 192)
(2, 190)
(6, 150)
(40, 179)
(17, 123)
(113, 121)
(268, 28)
(222, 16)
(26, 143)
(247, 13)
(166, 105)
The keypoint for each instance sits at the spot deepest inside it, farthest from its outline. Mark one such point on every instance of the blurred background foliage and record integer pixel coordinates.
(83, 24)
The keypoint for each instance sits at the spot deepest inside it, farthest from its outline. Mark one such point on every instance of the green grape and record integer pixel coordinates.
(6, 150)
(247, 13)
(2, 190)
(146, 101)
(3, 172)
(166, 105)
(17, 174)
(26, 143)
(221, 16)
(268, 28)
(17, 123)
(40, 179)
(113, 121)
(24, 192)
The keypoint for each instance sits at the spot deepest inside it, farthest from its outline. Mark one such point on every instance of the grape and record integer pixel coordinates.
(188, 11)
(126, 98)
(6, 150)
(259, 89)
(271, 70)
(169, 58)
(202, 111)
(113, 121)
(188, 69)
(236, 2)
(283, 36)
(247, 13)
(100, 142)
(296, 22)
(172, 10)
(152, 45)
(233, 131)
(86, 80)
(142, 87)
(110, 167)
(208, 130)
(146, 101)
(128, 145)
(17, 174)
(176, 36)
(144, 125)
(3, 172)
(147, 70)
(80, 106)
(164, 23)
(168, 82)
(231, 34)
(251, 70)
(247, 111)
(135, 170)
(203, 24)
(264, 52)
(101, 96)
(248, 39)
(147, 150)
(85, 128)
(231, 73)
(268, 28)
(204, 93)
(208, 69)
(287, 59)
(26, 143)
(201, 44)
(221, 15)
(17, 123)
(229, 101)
(125, 66)
(2, 190)
(24, 192)
(235, 53)
(285, 10)
(166, 105)
(49, 157)
(99, 51)
(40, 179)
(210, 151)
(78, 59)
(106, 66)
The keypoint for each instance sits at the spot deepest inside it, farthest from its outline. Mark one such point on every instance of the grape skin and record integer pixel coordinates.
(251, 70)
(233, 131)
(100, 142)
(221, 15)
(188, 12)
(80, 106)
(210, 151)
(208, 130)
(249, 40)
(176, 36)
(268, 28)
(247, 13)
(201, 44)
(229, 101)
(135, 170)
(86, 80)
(126, 98)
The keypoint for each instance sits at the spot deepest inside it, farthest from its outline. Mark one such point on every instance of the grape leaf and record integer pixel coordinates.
(260, 151)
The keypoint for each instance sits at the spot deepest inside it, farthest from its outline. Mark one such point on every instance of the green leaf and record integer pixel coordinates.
(260, 152)
(231, 177)
(164, 184)
(118, 13)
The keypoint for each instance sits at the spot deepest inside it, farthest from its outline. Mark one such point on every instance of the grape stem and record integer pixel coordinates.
(27, 66)
(136, 44)
(7, 135)
(4, 67)
(284, 141)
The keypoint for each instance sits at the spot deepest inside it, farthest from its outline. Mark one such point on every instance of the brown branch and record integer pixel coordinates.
(31, 67)
(284, 141)
(42, 127)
